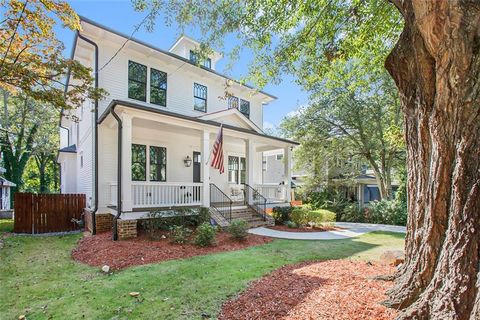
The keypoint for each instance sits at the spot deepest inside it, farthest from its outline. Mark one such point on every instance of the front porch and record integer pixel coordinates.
(164, 163)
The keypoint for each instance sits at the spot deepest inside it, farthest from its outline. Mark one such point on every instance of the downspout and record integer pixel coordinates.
(94, 221)
(119, 174)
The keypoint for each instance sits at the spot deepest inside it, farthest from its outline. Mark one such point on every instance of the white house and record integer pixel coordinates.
(5, 194)
(149, 141)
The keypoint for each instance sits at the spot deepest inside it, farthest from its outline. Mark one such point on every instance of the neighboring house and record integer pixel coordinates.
(362, 188)
(156, 129)
(5, 194)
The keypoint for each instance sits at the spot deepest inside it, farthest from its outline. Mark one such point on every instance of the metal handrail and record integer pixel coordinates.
(220, 202)
(259, 202)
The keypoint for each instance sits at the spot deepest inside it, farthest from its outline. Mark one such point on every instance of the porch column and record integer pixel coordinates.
(127, 204)
(205, 165)
(249, 155)
(288, 173)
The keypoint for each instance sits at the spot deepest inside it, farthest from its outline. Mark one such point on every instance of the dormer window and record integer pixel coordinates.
(245, 108)
(207, 63)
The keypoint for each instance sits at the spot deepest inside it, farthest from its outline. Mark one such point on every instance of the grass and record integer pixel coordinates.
(39, 279)
(6, 225)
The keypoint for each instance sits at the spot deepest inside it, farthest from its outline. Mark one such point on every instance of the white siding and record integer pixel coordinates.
(181, 76)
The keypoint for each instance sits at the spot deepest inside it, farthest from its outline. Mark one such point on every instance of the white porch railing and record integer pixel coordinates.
(158, 194)
(273, 192)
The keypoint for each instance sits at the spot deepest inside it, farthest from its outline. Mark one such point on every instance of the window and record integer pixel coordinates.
(139, 162)
(137, 81)
(158, 87)
(199, 97)
(245, 108)
(158, 164)
(232, 102)
(279, 156)
(81, 159)
(194, 57)
(233, 169)
(237, 169)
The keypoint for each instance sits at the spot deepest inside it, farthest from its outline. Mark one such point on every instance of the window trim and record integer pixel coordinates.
(201, 98)
(156, 164)
(136, 81)
(239, 170)
(158, 88)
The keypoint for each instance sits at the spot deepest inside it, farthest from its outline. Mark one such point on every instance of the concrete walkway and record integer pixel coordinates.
(349, 230)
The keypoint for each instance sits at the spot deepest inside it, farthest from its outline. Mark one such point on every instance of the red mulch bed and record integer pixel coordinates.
(303, 229)
(336, 289)
(101, 250)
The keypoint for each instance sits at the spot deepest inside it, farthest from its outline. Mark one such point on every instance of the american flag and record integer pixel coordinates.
(217, 160)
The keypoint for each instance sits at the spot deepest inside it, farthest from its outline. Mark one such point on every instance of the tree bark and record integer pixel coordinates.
(436, 66)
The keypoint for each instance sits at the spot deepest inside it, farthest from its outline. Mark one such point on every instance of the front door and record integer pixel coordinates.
(197, 161)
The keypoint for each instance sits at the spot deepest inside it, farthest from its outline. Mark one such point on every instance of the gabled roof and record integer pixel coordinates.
(232, 115)
(5, 182)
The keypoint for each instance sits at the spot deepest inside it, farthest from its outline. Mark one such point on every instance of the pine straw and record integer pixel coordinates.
(101, 250)
(335, 289)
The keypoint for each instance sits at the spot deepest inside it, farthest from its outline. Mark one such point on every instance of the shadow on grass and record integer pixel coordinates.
(6, 225)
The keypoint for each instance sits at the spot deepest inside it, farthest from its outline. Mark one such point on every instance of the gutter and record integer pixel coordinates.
(94, 221)
(119, 174)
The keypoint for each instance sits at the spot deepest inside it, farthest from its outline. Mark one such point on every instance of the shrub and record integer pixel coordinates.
(203, 216)
(205, 235)
(180, 234)
(281, 214)
(353, 213)
(387, 212)
(299, 215)
(321, 216)
(291, 224)
(238, 229)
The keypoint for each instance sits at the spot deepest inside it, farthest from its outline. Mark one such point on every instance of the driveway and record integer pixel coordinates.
(349, 230)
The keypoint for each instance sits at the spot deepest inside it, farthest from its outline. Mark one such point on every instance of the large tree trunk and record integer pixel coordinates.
(436, 66)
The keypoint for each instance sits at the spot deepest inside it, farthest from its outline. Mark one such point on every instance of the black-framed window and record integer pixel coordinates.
(137, 81)
(139, 162)
(194, 57)
(158, 163)
(199, 97)
(245, 108)
(237, 168)
(158, 87)
(232, 102)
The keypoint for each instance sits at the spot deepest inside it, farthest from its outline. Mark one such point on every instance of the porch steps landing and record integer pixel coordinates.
(245, 213)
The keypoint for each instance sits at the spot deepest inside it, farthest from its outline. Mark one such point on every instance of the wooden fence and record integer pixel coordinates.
(43, 213)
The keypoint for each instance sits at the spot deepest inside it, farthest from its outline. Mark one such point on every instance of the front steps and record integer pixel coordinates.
(246, 213)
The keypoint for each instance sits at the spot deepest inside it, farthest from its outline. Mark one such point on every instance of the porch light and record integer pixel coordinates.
(187, 161)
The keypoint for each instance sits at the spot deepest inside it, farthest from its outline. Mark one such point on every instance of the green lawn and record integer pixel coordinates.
(39, 279)
(6, 225)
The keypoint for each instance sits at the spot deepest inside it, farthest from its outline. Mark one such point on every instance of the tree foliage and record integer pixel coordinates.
(353, 121)
(31, 57)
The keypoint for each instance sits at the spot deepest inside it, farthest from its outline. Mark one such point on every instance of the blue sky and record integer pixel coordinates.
(119, 15)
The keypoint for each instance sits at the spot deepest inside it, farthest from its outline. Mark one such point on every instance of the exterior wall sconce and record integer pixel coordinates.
(187, 161)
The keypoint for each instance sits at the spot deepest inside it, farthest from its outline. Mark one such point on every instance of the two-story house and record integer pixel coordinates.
(147, 145)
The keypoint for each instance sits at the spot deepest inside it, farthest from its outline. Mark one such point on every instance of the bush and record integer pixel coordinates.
(204, 216)
(180, 234)
(205, 235)
(353, 213)
(238, 229)
(387, 212)
(281, 214)
(321, 216)
(291, 224)
(299, 216)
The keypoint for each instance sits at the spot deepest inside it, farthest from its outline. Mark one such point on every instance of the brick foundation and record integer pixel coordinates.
(127, 229)
(104, 222)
